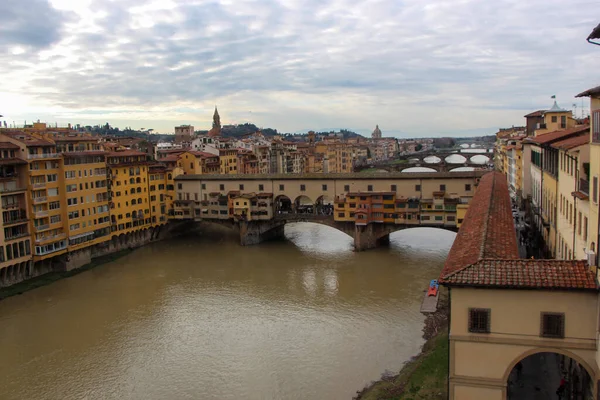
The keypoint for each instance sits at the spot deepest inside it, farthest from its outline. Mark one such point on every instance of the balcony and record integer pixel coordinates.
(40, 199)
(15, 217)
(42, 227)
(11, 187)
(40, 214)
(16, 236)
(38, 185)
(50, 238)
(41, 156)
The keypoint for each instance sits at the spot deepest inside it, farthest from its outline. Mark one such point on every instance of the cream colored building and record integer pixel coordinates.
(594, 168)
(573, 205)
(505, 310)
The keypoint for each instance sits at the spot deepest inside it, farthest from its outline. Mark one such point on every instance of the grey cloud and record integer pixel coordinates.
(31, 23)
(473, 54)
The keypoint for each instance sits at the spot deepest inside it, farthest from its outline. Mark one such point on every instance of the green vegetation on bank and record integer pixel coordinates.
(424, 377)
(46, 279)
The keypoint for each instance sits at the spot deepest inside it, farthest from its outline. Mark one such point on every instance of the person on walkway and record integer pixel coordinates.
(519, 368)
(561, 388)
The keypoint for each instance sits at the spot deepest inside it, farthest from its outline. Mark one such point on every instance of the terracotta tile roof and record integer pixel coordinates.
(8, 145)
(12, 161)
(526, 274)
(74, 139)
(125, 153)
(487, 230)
(537, 113)
(84, 153)
(485, 252)
(573, 142)
(590, 92)
(551, 137)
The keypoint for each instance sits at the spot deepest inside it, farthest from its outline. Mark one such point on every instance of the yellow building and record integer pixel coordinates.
(198, 162)
(555, 119)
(129, 206)
(519, 313)
(594, 169)
(15, 236)
(228, 161)
(573, 197)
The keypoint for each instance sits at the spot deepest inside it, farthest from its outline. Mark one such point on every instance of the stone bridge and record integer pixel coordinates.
(365, 237)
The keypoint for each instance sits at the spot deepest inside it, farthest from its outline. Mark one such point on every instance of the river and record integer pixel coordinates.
(200, 317)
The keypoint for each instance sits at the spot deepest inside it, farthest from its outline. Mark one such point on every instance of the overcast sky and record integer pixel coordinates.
(416, 68)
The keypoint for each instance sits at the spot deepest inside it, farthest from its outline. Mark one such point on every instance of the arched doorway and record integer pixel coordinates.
(304, 205)
(546, 375)
(283, 205)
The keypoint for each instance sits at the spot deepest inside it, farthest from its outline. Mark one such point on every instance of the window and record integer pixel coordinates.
(54, 219)
(261, 187)
(442, 188)
(341, 215)
(51, 178)
(221, 187)
(324, 187)
(241, 186)
(204, 186)
(346, 188)
(439, 218)
(417, 188)
(554, 118)
(54, 205)
(179, 186)
(596, 126)
(553, 325)
(281, 187)
(595, 188)
(302, 188)
(393, 188)
(479, 320)
(370, 188)
(467, 187)
(585, 228)
(52, 192)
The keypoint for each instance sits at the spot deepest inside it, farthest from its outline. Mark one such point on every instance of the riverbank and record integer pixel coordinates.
(53, 276)
(425, 376)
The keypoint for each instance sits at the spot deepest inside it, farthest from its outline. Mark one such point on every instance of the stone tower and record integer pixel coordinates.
(376, 133)
(216, 127)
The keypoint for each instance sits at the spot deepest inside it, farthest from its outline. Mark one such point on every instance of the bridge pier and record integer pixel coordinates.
(370, 236)
(255, 232)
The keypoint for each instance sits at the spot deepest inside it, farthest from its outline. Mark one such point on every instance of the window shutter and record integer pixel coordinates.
(595, 189)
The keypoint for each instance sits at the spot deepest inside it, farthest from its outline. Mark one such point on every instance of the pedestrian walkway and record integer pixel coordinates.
(540, 377)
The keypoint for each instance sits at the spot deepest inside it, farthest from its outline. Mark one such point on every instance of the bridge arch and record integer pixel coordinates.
(304, 205)
(282, 204)
(324, 205)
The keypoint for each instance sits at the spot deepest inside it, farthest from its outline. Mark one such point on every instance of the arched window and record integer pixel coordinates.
(133, 202)
(138, 180)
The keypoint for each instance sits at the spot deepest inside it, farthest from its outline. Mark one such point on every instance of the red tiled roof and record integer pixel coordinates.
(595, 91)
(85, 153)
(537, 113)
(125, 153)
(526, 274)
(573, 142)
(12, 161)
(485, 252)
(8, 145)
(551, 137)
(488, 229)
